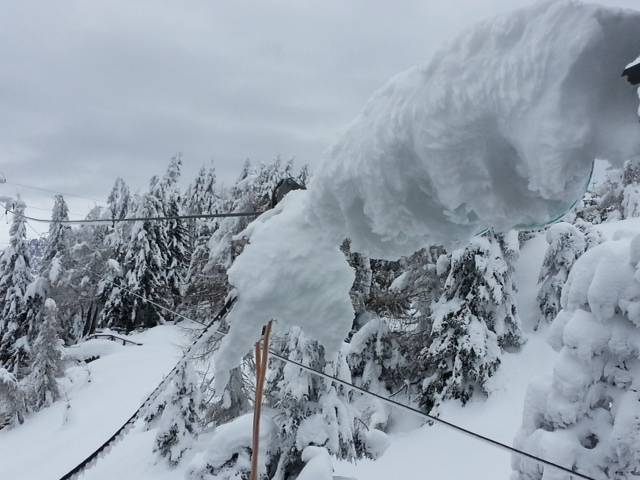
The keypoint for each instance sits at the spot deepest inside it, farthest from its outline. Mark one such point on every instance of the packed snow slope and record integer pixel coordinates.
(500, 129)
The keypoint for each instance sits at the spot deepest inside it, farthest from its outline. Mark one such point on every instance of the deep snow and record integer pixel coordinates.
(45, 447)
(101, 396)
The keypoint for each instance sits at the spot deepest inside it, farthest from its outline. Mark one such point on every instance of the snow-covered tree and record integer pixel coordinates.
(142, 271)
(12, 399)
(15, 277)
(202, 197)
(178, 425)
(565, 244)
(631, 189)
(361, 289)
(56, 257)
(472, 321)
(145, 267)
(376, 363)
(46, 362)
(586, 415)
(119, 200)
(120, 205)
(310, 410)
(175, 232)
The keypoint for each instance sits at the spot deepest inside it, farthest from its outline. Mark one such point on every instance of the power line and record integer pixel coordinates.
(22, 185)
(137, 219)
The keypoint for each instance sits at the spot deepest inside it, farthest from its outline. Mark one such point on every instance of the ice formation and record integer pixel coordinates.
(499, 130)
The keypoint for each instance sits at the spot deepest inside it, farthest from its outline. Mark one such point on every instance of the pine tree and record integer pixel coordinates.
(175, 236)
(15, 277)
(120, 204)
(178, 425)
(507, 323)
(145, 268)
(47, 360)
(311, 411)
(56, 257)
(119, 200)
(565, 245)
(631, 189)
(361, 289)
(471, 322)
(201, 198)
(12, 399)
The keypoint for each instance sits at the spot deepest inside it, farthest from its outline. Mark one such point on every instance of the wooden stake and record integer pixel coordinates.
(262, 354)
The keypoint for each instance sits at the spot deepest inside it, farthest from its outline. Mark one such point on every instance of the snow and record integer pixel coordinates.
(45, 447)
(232, 438)
(496, 131)
(96, 347)
(303, 281)
(318, 464)
(499, 130)
(440, 453)
(55, 440)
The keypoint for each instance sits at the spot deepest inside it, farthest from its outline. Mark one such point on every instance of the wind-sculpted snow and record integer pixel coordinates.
(499, 130)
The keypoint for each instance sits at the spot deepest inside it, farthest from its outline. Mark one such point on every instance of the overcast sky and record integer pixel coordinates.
(92, 90)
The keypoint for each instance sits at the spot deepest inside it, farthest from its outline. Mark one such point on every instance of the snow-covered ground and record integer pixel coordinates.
(101, 397)
(53, 441)
(441, 453)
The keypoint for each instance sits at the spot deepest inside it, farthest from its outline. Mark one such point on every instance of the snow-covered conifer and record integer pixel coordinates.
(361, 288)
(631, 189)
(376, 363)
(565, 245)
(311, 411)
(12, 399)
(56, 257)
(175, 232)
(202, 197)
(179, 422)
(119, 200)
(15, 277)
(46, 360)
(144, 271)
(471, 322)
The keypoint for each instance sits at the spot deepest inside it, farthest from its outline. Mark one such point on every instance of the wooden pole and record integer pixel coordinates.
(262, 355)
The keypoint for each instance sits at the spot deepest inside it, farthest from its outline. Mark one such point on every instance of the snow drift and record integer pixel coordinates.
(499, 130)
